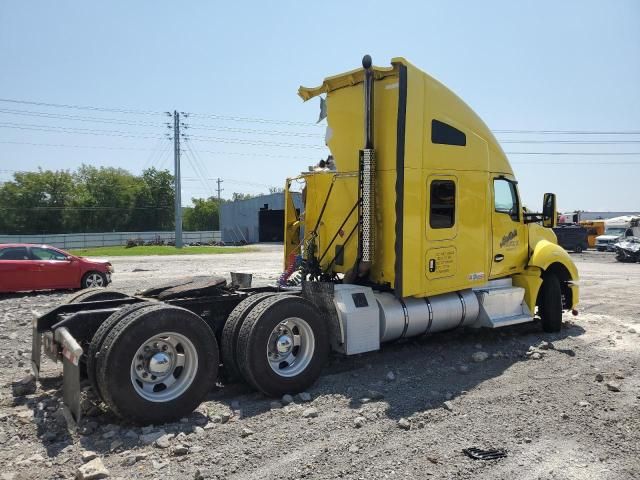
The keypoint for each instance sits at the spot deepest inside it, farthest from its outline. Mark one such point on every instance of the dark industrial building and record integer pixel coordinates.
(259, 219)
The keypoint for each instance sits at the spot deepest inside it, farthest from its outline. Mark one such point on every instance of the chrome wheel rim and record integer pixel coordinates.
(290, 347)
(164, 367)
(94, 280)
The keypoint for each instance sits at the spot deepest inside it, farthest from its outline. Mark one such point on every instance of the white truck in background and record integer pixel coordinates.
(617, 228)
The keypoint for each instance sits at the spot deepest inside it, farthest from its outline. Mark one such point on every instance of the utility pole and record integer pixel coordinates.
(218, 181)
(176, 175)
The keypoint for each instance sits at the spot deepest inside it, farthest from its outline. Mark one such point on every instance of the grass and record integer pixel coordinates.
(120, 251)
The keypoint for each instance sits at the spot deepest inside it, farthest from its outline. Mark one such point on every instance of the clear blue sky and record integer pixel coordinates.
(539, 65)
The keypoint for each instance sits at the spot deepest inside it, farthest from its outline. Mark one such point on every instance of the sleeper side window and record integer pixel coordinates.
(505, 198)
(443, 204)
(444, 134)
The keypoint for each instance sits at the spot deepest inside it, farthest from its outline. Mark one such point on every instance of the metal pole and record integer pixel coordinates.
(218, 181)
(176, 159)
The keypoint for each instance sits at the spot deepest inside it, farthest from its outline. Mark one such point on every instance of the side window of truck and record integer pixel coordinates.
(505, 198)
(443, 204)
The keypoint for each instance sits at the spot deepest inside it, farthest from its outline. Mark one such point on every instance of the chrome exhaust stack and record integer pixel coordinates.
(367, 178)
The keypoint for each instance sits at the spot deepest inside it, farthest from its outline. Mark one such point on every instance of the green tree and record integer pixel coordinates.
(34, 202)
(90, 199)
(204, 215)
(242, 196)
(153, 203)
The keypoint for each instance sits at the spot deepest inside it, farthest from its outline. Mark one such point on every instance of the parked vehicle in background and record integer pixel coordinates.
(572, 237)
(628, 249)
(25, 267)
(594, 229)
(617, 228)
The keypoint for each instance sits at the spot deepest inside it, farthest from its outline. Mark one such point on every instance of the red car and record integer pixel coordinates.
(40, 267)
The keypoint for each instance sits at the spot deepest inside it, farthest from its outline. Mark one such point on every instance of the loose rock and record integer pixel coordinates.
(613, 386)
(180, 450)
(304, 397)
(24, 386)
(480, 356)
(151, 437)
(391, 376)
(246, 432)
(92, 470)
(287, 399)
(404, 424)
(88, 455)
(164, 441)
(359, 422)
(310, 413)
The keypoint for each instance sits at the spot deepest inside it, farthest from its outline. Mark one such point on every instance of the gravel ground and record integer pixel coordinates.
(563, 406)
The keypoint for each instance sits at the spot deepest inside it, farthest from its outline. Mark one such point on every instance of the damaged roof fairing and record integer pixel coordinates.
(350, 78)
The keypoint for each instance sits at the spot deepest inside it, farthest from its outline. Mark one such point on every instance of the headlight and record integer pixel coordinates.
(110, 268)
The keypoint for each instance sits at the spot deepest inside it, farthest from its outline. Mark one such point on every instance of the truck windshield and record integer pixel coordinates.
(615, 231)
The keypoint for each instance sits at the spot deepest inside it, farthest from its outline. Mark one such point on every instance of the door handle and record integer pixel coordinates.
(432, 265)
(498, 258)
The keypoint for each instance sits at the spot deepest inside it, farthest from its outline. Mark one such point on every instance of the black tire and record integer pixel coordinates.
(87, 276)
(95, 295)
(230, 332)
(114, 368)
(95, 345)
(550, 304)
(254, 338)
(578, 249)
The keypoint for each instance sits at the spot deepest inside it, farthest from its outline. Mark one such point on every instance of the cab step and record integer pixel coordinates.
(501, 305)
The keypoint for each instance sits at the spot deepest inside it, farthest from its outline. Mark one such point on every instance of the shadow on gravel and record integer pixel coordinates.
(415, 375)
(420, 374)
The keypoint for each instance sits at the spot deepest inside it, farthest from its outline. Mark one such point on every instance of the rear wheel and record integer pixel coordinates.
(159, 363)
(95, 347)
(578, 249)
(550, 304)
(230, 334)
(94, 279)
(283, 345)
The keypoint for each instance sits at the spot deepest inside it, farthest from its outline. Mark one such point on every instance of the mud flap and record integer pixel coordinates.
(71, 387)
(36, 350)
(71, 353)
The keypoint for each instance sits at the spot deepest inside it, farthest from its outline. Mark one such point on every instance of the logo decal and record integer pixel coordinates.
(510, 239)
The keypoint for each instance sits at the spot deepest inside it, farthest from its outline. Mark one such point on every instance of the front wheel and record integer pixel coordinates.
(578, 249)
(282, 345)
(550, 303)
(94, 279)
(157, 364)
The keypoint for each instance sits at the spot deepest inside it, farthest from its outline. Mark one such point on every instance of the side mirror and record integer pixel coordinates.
(549, 212)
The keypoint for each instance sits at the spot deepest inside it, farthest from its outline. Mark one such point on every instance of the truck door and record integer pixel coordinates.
(455, 232)
(508, 230)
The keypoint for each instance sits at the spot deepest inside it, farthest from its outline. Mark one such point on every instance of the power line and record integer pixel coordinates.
(80, 118)
(574, 142)
(573, 153)
(215, 116)
(81, 107)
(254, 131)
(572, 132)
(77, 131)
(61, 145)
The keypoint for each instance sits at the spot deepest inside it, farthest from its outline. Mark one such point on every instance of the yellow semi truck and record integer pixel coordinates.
(415, 226)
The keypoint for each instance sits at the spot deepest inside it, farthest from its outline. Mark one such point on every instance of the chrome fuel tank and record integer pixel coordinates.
(409, 317)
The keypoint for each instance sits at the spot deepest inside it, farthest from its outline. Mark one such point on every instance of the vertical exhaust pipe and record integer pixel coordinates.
(366, 171)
